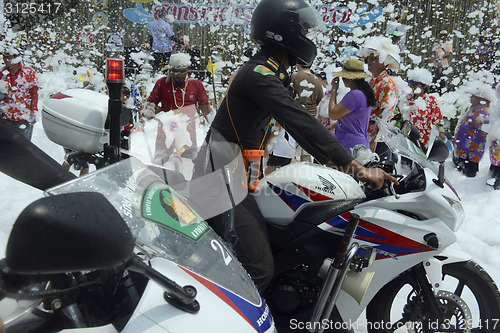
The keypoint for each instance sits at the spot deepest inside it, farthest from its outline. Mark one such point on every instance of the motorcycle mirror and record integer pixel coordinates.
(439, 151)
(410, 131)
(66, 233)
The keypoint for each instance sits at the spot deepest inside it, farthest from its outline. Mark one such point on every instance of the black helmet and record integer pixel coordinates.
(278, 23)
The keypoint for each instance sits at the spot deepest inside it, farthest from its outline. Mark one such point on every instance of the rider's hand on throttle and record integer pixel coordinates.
(375, 175)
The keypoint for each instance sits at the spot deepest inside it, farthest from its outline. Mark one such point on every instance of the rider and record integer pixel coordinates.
(259, 92)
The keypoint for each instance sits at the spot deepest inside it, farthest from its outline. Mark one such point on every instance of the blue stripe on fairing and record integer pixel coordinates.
(292, 200)
(452, 188)
(340, 222)
(252, 312)
(258, 316)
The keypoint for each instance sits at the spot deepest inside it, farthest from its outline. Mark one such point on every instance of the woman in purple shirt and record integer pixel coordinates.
(353, 112)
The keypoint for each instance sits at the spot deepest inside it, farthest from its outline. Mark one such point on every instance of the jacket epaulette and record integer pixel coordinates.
(274, 65)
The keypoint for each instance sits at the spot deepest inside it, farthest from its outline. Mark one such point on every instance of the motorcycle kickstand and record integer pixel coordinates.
(335, 276)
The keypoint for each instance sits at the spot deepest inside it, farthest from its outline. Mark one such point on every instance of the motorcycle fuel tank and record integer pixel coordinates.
(284, 193)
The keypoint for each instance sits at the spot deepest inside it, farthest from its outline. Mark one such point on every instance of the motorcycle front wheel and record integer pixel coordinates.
(469, 300)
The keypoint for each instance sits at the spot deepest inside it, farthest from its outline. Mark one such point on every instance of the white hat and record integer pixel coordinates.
(179, 60)
(420, 75)
(482, 90)
(384, 48)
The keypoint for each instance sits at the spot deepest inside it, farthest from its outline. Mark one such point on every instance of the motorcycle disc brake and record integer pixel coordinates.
(457, 315)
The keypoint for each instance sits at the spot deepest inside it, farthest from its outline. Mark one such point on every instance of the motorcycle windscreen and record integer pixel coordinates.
(166, 203)
(402, 145)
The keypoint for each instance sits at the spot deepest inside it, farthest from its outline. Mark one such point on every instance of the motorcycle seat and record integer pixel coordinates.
(317, 214)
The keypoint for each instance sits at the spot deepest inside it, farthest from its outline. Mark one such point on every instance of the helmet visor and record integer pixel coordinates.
(309, 18)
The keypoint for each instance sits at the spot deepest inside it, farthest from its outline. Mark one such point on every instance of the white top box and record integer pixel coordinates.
(75, 119)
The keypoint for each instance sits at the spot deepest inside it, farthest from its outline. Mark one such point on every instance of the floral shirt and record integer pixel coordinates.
(441, 51)
(161, 32)
(21, 93)
(386, 95)
(424, 113)
(470, 140)
(495, 153)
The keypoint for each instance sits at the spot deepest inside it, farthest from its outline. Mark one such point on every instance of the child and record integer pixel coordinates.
(421, 108)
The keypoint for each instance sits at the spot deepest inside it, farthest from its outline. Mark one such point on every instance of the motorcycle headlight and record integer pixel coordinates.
(458, 211)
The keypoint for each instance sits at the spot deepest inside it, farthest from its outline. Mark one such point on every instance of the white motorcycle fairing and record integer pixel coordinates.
(153, 314)
(176, 241)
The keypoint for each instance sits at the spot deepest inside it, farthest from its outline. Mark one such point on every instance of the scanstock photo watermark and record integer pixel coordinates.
(363, 324)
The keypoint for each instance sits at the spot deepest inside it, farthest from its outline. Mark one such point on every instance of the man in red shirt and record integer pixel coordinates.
(19, 92)
(177, 89)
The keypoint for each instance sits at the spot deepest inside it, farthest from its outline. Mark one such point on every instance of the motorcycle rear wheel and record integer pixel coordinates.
(469, 300)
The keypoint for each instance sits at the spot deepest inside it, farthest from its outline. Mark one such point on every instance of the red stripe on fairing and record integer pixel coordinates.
(215, 289)
(315, 196)
(391, 238)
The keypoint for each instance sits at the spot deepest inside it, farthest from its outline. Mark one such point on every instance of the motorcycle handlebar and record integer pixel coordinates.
(368, 188)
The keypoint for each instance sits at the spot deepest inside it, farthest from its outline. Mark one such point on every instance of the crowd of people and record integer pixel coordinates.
(376, 92)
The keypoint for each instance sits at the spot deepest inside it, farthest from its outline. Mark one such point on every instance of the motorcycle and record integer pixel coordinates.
(341, 249)
(123, 249)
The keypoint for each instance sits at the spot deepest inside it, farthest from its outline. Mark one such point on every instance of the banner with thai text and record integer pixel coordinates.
(345, 18)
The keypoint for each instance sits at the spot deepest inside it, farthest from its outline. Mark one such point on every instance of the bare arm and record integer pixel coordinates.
(336, 111)
(374, 175)
(206, 109)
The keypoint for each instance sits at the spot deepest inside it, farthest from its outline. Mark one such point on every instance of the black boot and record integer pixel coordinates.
(495, 173)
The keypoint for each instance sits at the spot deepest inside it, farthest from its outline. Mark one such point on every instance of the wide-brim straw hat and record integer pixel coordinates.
(353, 69)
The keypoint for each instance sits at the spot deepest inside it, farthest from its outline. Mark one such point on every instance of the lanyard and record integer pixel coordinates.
(234, 128)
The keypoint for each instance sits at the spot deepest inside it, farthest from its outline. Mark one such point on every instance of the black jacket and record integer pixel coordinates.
(258, 92)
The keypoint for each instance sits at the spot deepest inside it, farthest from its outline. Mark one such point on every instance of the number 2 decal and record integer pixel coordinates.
(227, 258)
